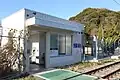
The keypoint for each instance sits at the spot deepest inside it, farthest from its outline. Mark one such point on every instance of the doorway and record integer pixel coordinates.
(38, 45)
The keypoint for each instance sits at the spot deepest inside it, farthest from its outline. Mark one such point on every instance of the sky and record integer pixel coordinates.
(59, 8)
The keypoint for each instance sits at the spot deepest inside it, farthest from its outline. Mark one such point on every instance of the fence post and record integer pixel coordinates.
(19, 55)
(96, 45)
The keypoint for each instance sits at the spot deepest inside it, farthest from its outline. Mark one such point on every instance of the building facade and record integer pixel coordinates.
(53, 41)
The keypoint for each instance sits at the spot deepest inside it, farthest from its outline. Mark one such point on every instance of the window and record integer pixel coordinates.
(60, 44)
(53, 42)
(68, 44)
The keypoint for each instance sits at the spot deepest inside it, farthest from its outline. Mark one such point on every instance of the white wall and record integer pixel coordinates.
(50, 18)
(77, 51)
(17, 20)
(42, 42)
(52, 21)
(67, 60)
(62, 60)
(14, 21)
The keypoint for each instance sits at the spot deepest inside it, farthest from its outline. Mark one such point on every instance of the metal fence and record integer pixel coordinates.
(100, 50)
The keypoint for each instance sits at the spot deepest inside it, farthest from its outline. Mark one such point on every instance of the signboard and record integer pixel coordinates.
(76, 45)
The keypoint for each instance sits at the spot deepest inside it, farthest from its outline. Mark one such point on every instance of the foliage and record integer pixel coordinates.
(27, 78)
(101, 22)
(8, 55)
(83, 65)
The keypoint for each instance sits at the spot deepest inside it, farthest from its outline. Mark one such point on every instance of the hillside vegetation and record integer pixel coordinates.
(101, 22)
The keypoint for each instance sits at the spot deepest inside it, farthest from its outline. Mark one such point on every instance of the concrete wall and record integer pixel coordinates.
(14, 21)
(42, 42)
(52, 21)
(50, 18)
(17, 21)
(60, 60)
(71, 59)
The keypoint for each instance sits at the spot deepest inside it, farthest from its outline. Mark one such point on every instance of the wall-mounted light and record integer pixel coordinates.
(78, 32)
(27, 15)
(34, 13)
(81, 32)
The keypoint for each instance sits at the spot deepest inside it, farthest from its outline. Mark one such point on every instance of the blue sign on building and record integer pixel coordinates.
(76, 45)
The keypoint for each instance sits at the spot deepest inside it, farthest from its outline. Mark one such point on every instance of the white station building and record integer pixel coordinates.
(53, 41)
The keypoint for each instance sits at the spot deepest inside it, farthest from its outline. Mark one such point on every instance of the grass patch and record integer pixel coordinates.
(78, 66)
(106, 61)
(26, 78)
(81, 65)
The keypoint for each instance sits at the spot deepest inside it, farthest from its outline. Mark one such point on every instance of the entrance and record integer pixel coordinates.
(38, 45)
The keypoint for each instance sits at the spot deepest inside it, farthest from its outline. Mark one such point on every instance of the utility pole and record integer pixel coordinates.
(1, 32)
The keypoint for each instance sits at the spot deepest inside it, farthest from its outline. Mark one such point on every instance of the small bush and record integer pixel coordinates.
(27, 78)
(81, 65)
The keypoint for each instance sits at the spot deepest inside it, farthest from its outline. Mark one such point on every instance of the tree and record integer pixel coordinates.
(8, 55)
(101, 22)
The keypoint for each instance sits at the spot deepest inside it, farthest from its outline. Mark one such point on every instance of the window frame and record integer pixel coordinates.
(63, 35)
(71, 44)
(66, 54)
(50, 41)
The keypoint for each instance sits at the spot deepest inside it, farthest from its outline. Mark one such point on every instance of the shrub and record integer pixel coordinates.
(8, 54)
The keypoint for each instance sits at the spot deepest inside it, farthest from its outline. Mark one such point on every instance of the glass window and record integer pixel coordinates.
(68, 44)
(53, 42)
(62, 44)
